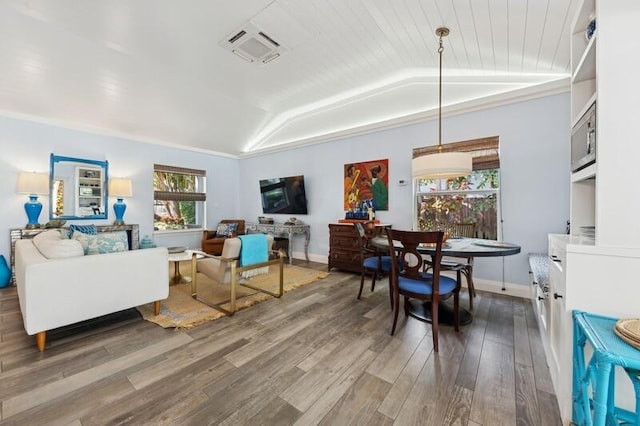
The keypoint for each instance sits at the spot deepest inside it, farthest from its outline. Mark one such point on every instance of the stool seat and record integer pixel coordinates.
(594, 382)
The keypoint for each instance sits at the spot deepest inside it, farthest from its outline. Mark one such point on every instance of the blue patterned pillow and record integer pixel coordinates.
(104, 242)
(226, 229)
(85, 229)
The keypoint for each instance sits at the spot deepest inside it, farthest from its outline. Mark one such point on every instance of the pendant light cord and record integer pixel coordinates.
(440, 32)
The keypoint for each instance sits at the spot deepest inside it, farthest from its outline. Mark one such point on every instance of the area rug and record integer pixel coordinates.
(181, 311)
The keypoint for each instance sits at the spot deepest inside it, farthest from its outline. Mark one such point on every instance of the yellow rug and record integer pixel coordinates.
(181, 311)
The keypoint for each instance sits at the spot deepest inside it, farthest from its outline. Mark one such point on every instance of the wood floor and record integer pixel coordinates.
(316, 356)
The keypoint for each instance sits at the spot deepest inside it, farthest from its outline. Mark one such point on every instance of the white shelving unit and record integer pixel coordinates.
(89, 191)
(599, 275)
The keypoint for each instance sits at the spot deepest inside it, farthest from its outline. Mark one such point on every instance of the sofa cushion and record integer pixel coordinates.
(58, 248)
(103, 242)
(226, 229)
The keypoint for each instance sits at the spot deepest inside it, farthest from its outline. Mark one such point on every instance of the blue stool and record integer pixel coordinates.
(594, 383)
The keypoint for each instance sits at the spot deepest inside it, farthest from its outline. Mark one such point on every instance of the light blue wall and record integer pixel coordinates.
(534, 141)
(26, 146)
(534, 152)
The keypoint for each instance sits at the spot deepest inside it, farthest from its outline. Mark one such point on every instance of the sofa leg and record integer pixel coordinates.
(156, 307)
(41, 339)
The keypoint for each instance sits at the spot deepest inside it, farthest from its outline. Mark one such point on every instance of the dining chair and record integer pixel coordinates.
(372, 260)
(463, 264)
(409, 279)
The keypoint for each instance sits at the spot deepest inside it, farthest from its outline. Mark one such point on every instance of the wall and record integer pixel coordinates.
(28, 145)
(534, 151)
(534, 141)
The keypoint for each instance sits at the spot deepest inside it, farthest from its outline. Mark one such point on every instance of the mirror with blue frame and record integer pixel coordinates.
(78, 188)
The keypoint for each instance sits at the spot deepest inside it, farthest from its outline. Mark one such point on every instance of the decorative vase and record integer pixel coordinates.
(5, 273)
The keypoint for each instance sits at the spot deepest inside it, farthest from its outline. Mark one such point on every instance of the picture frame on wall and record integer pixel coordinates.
(366, 183)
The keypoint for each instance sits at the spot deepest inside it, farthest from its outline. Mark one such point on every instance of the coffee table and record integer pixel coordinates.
(176, 258)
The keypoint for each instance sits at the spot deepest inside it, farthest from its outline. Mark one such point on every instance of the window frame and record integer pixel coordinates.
(199, 196)
(485, 155)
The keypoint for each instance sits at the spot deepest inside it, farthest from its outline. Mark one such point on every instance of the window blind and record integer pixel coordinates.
(178, 195)
(484, 151)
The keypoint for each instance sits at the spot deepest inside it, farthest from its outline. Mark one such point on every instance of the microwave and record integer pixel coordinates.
(583, 140)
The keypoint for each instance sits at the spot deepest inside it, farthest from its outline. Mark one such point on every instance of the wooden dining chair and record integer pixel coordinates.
(463, 264)
(409, 279)
(372, 261)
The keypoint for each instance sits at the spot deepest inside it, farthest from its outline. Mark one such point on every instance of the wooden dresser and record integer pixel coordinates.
(344, 246)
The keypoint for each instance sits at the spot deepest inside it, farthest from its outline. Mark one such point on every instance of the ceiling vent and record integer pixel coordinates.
(253, 45)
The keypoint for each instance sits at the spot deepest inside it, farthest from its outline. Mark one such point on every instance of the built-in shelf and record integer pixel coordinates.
(586, 67)
(588, 172)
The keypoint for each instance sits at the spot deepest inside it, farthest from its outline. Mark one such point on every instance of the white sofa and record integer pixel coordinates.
(54, 292)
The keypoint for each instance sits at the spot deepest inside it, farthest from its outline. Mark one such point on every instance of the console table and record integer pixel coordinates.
(283, 230)
(133, 235)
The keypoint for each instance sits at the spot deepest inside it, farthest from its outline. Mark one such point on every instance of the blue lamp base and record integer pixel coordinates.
(33, 207)
(119, 208)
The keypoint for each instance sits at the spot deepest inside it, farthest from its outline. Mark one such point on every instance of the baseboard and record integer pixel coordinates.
(511, 289)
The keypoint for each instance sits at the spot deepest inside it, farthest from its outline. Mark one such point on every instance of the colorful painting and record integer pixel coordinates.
(366, 183)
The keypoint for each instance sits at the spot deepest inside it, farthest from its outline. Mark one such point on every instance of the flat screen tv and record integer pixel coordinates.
(284, 195)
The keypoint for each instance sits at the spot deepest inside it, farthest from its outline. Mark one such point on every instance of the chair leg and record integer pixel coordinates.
(361, 284)
(434, 324)
(468, 273)
(396, 308)
(456, 302)
(390, 293)
(373, 280)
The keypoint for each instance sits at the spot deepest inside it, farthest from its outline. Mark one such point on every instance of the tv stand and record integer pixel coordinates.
(285, 231)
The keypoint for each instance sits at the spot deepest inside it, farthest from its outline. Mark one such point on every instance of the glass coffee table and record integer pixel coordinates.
(176, 256)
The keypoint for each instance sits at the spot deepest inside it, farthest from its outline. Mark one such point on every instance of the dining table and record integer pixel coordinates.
(454, 247)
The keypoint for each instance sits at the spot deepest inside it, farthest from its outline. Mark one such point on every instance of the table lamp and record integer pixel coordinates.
(119, 188)
(33, 184)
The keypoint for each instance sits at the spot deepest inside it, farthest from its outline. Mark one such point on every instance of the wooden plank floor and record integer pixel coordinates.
(316, 356)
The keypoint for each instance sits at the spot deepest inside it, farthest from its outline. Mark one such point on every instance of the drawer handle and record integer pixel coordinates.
(557, 296)
(555, 258)
(541, 298)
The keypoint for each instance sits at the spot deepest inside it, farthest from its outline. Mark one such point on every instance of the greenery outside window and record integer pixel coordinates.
(179, 198)
(469, 199)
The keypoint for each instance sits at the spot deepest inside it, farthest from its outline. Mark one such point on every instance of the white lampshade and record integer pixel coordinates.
(442, 165)
(120, 187)
(33, 183)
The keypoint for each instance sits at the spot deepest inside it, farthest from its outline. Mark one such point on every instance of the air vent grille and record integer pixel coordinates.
(253, 45)
(272, 41)
(237, 36)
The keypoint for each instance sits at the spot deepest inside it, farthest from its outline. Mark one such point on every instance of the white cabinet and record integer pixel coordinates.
(89, 191)
(559, 330)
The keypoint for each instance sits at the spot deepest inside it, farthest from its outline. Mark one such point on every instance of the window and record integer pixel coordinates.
(469, 199)
(179, 196)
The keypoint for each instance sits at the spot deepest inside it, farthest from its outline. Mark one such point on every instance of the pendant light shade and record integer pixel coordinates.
(441, 165)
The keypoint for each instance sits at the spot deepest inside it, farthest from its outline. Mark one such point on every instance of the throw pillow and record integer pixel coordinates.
(86, 240)
(51, 234)
(85, 229)
(226, 229)
(104, 242)
(58, 249)
(112, 242)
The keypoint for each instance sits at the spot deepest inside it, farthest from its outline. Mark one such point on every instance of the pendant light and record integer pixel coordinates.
(441, 165)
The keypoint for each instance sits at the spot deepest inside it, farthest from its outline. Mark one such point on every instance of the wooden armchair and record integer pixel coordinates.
(212, 241)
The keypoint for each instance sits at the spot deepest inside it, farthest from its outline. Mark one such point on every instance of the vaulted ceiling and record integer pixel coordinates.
(164, 71)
